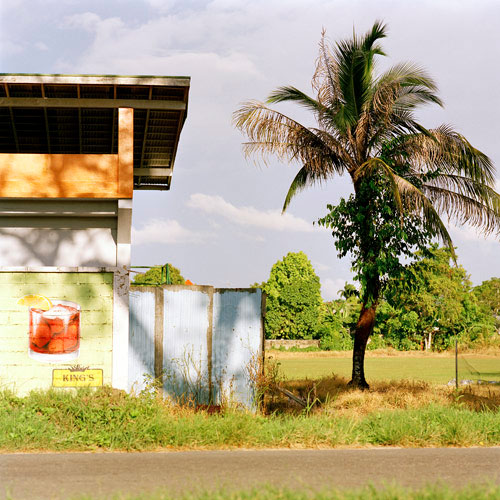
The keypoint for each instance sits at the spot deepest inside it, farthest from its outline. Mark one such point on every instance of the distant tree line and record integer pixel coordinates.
(431, 304)
(427, 307)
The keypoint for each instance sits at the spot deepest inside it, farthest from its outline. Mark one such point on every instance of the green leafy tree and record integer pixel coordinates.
(401, 172)
(153, 276)
(488, 297)
(294, 301)
(258, 285)
(339, 320)
(431, 303)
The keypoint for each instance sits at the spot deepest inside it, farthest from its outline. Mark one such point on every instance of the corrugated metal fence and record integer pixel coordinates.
(203, 344)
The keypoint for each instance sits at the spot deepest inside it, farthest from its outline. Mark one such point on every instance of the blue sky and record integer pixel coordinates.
(221, 223)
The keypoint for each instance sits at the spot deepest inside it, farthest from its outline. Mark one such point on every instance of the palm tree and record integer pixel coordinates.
(366, 128)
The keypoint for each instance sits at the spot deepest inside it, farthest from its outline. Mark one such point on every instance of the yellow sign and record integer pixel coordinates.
(77, 378)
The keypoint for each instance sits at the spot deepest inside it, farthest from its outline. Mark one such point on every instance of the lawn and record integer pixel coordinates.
(436, 369)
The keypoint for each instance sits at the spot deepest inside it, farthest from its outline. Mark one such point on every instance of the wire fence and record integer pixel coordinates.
(469, 371)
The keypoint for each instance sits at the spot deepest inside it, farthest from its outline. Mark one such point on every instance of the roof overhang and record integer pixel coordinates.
(65, 114)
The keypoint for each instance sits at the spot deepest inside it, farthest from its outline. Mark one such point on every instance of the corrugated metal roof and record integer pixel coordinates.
(79, 114)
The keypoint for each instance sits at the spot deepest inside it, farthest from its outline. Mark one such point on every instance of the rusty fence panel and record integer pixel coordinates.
(201, 345)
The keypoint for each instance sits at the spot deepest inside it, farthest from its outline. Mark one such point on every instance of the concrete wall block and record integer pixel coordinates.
(93, 291)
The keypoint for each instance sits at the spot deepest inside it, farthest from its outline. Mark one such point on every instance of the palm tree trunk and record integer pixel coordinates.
(364, 328)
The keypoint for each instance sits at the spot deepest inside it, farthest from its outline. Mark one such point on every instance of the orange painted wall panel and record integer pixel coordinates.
(59, 176)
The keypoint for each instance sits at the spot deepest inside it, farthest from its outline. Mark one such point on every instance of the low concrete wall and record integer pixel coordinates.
(287, 344)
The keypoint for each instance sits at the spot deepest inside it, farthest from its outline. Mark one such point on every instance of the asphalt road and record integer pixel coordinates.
(65, 475)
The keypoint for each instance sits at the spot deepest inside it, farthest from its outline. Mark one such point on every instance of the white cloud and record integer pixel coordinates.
(330, 288)
(319, 266)
(249, 216)
(87, 20)
(165, 231)
(9, 48)
(41, 46)
(190, 43)
(468, 233)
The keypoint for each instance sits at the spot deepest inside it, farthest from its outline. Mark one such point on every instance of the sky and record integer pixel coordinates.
(221, 222)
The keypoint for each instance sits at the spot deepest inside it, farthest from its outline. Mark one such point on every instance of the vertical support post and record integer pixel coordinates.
(456, 362)
(159, 317)
(125, 152)
(263, 300)
(210, 335)
(121, 289)
(123, 233)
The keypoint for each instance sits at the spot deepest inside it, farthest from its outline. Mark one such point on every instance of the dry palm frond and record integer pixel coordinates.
(465, 210)
(325, 80)
(271, 132)
(416, 202)
(449, 152)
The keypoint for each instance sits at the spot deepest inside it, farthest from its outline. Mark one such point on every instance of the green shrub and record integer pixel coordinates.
(333, 339)
(294, 302)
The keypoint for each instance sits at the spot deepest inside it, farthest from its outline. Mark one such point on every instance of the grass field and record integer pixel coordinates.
(436, 369)
(431, 492)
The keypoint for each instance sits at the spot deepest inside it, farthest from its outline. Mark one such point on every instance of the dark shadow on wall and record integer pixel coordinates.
(26, 246)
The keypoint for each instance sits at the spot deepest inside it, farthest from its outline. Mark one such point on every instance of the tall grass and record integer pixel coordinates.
(393, 492)
(113, 420)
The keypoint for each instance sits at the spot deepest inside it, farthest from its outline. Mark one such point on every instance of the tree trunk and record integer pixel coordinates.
(364, 328)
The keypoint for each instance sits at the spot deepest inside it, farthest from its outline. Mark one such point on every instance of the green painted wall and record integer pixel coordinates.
(94, 293)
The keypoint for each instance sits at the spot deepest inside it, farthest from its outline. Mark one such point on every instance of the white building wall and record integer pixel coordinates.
(27, 246)
(61, 232)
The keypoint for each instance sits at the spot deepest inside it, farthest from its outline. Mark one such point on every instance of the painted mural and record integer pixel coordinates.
(56, 329)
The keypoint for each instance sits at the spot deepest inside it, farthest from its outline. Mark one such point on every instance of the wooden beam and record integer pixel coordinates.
(113, 125)
(153, 172)
(79, 122)
(47, 131)
(151, 187)
(162, 81)
(125, 152)
(40, 102)
(14, 131)
(145, 136)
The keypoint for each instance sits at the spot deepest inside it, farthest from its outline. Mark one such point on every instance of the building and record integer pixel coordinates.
(73, 149)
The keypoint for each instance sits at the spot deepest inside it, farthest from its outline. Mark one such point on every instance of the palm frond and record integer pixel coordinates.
(354, 64)
(394, 96)
(483, 214)
(447, 151)
(406, 85)
(304, 178)
(271, 132)
(283, 94)
(323, 114)
(325, 79)
(416, 202)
